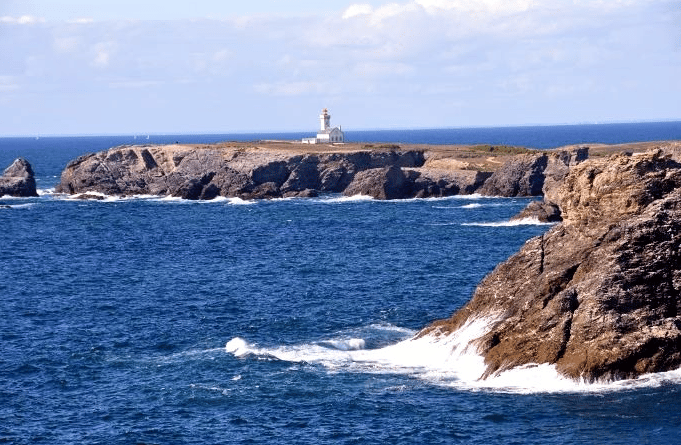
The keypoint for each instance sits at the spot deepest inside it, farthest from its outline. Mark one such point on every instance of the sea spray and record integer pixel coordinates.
(450, 361)
(513, 223)
(452, 356)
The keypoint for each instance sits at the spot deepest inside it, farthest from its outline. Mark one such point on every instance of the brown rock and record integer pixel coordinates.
(599, 295)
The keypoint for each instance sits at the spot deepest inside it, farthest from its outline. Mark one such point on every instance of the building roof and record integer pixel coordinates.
(329, 130)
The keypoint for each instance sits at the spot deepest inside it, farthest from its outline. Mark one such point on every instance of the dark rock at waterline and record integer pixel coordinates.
(18, 180)
(598, 295)
(542, 211)
(380, 183)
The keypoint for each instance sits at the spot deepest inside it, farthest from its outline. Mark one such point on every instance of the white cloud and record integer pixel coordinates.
(355, 10)
(401, 56)
(23, 20)
(8, 84)
(81, 21)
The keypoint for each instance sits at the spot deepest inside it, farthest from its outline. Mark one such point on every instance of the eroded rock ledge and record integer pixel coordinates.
(598, 295)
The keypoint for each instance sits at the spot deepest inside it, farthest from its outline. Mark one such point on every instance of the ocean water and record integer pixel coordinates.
(158, 320)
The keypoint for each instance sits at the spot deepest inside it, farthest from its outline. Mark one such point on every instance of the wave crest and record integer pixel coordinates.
(443, 360)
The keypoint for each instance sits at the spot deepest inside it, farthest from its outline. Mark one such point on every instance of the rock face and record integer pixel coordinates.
(380, 183)
(532, 174)
(599, 295)
(208, 172)
(523, 175)
(18, 180)
(205, 173)
(557, 167)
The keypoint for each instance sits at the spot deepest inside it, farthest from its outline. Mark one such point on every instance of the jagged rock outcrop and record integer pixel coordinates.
(522, 175)
(598, 295)
(557, 167)
(380, 183)
(18, 180)
(403, 183)
(208, 172)
(542, 211)
(428, 182)
(532, 174)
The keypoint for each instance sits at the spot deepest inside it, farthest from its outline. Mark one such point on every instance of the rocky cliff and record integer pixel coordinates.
(532, 174)
(598, 295)
(205, 172)
(208, 172)
(18, 180)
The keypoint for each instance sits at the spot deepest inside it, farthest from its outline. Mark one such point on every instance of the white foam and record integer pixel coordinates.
(239, 201)
(513, 223)
(475, 205)
(443, 360)
(351, 344)
(22, 206)
(343, 199)
(475, 196)
(237, 346)
(446, 355)
(46, 192)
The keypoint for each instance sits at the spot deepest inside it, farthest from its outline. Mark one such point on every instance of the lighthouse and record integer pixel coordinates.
(327, 134)
(325, 120)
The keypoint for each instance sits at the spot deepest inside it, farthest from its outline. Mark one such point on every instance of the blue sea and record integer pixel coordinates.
(156, 320)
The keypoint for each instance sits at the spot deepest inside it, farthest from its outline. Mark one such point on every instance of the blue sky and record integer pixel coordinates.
(137, 67)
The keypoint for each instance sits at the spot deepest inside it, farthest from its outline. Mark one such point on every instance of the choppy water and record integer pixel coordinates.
(290, 321)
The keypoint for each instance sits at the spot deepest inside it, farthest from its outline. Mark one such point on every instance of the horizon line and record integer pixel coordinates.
(288, 131)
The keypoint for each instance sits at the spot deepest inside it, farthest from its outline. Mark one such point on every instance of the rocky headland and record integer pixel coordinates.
(18, 180)
(274, 171)
(599, 294)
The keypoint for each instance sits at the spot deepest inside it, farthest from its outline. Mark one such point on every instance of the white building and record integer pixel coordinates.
(326, 135)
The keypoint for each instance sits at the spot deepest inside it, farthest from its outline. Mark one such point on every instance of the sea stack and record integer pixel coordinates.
(18, 180)
(598, 295)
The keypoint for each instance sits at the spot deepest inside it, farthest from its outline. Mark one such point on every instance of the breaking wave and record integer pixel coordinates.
(443, 360)
(513, 223)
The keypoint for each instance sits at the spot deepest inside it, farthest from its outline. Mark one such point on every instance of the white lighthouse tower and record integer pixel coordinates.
(327, 134)
(325, 120)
